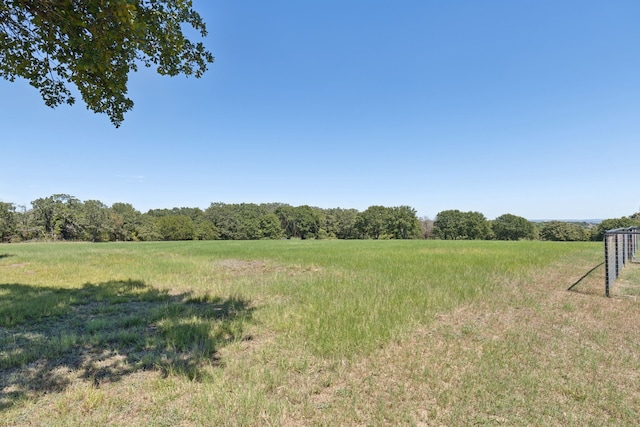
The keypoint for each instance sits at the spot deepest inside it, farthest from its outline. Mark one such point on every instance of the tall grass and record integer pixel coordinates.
(259, 332)
(347, 297)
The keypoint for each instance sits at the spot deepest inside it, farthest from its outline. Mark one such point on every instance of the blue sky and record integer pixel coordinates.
(527, 107)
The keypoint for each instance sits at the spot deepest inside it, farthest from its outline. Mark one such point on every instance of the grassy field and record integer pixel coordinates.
(316, 333)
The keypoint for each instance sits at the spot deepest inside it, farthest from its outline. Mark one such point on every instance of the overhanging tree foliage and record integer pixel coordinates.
(94, 44)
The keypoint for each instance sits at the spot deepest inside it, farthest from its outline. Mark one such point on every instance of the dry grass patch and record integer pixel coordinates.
(241, 267)
(535, 354)
(628, 284)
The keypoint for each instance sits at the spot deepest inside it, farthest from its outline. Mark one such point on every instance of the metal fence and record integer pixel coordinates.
(620, 246)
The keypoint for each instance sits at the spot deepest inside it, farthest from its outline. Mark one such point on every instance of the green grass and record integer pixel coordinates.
(350, 297)
(312, 333)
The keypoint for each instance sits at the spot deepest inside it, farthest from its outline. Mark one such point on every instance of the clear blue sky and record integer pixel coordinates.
(527, 107)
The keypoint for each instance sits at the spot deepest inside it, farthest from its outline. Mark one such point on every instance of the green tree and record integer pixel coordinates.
(339, 223)
(310, 220)
(560, 231)
(8, 221)
(176, 227)
(476, 226)
(25, 223)
(454, 224)
(512, 227)
(95, 220)
(237, 221)
(287, 217)
(613, 223)
(225, 219)
(58, 216)
(68, 217)
(43, 217)
(125, 222)
(402, 223)
(205, 230)
(302, 222)
(449, 225)
(94, 44)
(148, 229)
(270, 227)
(372, 223)
(249, 215)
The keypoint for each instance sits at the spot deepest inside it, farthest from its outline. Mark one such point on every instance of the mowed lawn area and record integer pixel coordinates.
(316, 333)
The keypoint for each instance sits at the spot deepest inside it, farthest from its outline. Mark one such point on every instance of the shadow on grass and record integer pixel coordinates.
(5, 256)
(50, 337)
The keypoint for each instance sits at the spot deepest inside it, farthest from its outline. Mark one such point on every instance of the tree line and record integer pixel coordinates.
(65, 217)
(454, 224)
(62, 217)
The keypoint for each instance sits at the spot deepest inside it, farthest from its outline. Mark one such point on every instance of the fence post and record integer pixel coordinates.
(606, 264)
(624, 249)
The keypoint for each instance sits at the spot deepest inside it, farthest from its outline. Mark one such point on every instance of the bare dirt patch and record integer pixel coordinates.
(241, 267)
(16, 265)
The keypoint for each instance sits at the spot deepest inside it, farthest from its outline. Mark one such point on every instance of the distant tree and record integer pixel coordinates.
(288, 220)
(43, 219)
(402, 223)
(613, 223)
(449, 225)
(270, 226)
(95, 220)
(157, 213)
(25, 223)
(224, 219)
(243, 221)
(248, 215)
(512, 227)
(476, 226)
(563, 232)
(308, 222)
(68, 217)
(125, 222)
(176, 227)
(339, 223)
(426, 227)
(302, 222)
(148, 229)
(58, 216)
(8, 221)
(330, 226)
(372, 223)
(94, 44)
(193, 213)
(205, 230)
(454, 224)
